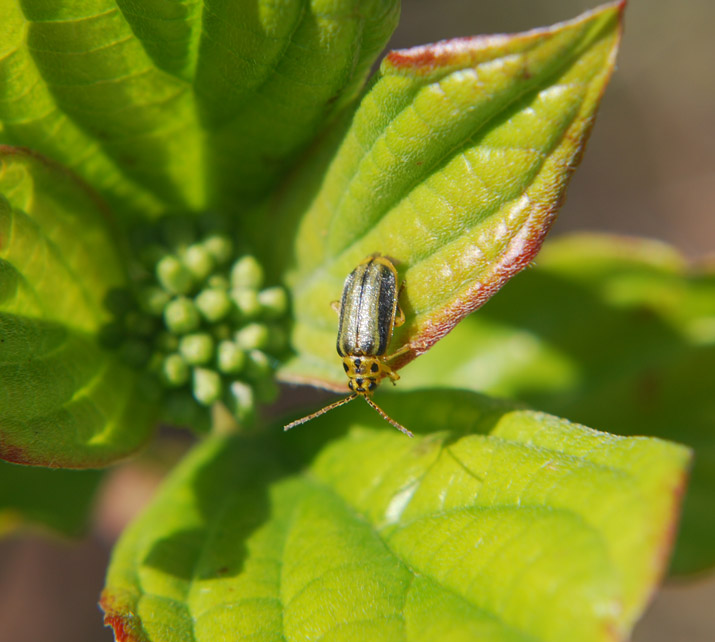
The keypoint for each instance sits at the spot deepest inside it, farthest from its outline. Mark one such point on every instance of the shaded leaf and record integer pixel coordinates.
(501, 524)
(181, 104)
(455, 164)
(57, 499)
(64, 400)
(616, 333)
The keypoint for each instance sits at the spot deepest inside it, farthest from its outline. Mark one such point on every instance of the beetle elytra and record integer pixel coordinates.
(368, 314)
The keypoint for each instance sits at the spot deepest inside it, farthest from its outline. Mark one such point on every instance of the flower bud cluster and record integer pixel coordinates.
(202, 321)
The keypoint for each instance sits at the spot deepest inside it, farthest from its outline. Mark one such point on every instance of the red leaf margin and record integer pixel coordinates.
(527, 242)
(125, 624)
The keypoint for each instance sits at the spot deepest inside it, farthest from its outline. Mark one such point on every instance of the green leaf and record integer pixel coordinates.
(57, 499)
(181, 104)
(64, 400)
(615, 333)
(455, 164)
(492, 524)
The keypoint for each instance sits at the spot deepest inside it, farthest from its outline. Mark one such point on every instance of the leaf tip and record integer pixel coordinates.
(123, 624)
(117, 624)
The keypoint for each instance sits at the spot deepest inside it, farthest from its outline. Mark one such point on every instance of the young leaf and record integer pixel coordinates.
(616, 333)
(181, 104)
(455, 165)
(64, 400)
(495, 524)
(57, 499)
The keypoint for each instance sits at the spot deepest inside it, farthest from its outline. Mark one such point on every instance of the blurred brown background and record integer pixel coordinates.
(649, 171)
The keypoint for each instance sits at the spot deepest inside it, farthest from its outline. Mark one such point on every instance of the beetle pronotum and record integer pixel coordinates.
(368, 314)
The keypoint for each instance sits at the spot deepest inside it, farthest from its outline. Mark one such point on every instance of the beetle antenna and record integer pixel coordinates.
(387, 418)
(322, 411)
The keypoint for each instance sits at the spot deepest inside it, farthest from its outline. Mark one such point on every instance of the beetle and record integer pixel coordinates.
(369, 312)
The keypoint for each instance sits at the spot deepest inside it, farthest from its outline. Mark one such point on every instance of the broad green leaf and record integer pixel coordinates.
(455, 164)
(615, 333)
(181, 104)
(492, 524)
(64, 400)
(57, 499)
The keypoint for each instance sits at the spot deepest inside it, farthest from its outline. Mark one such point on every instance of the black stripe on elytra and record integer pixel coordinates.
(386, 308)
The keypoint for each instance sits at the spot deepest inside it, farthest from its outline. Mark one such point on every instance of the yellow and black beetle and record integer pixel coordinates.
(368, 314)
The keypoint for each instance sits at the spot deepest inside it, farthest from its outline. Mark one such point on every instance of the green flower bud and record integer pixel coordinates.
(246, 302)
(135, 353)
(178, 231)
(174, 275)
(175, 371)
(197, 348)
(258, 365)
(213, 304)
(274, 302)
(220, 247)
(219, 282)
(247, 273)
(230, 358)
(253, 335)
(199, 261)
(181, 316)
(240, 401)
(153, 299)
(207, 386)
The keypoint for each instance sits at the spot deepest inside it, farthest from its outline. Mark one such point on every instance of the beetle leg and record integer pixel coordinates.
(336, 306)
(398, 353)
(394, 377)
(399, 317)
(399, 314)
